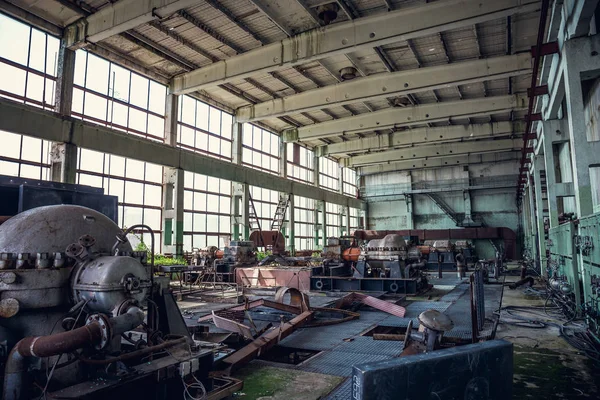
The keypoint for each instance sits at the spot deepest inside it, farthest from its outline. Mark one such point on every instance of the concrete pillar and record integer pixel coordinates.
(324, 224)
(240, 211)
(532, 222)
(538, 164)
(292, 227)
(583, 153)
(340, 179)
(408, 199)
(283, 156)
(63, 156)
(549, 128)
(468, 211)
(348, 225)
(173, 186)
(316, 169)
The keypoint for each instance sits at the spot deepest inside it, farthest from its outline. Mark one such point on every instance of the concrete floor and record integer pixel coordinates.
(545, 365)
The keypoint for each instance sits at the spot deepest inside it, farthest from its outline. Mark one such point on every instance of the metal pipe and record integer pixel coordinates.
(60, 343)
(135, 354)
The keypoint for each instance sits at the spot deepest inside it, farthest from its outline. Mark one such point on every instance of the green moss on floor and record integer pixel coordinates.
(271, 383)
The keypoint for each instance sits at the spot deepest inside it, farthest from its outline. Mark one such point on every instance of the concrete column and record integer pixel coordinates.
(240, 211)
(316, 169)
(292, 227)
(283, 156)
(538, 164)
(63, 156)
(173, 179)
(550, 168)
(408, 199)
(324, 225)
(468, 210)
(347, 211)
(583, 154)
(340, 179)
(236, 145)
(173, 186)
(532, 221)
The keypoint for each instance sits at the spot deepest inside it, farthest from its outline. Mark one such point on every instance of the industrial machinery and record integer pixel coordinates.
(205, 256)
(239, 254)
(387, 264)
(82, 314)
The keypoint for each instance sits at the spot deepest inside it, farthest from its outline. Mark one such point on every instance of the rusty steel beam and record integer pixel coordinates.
(264, 342)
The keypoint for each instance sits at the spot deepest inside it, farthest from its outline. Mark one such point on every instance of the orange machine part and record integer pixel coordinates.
(351, 254)
(219, 254)
(424, 249)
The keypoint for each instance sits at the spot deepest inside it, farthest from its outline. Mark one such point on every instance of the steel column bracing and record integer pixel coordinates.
(31, 121)
(118, 17)
(381, 86)
(406, 116)
(441, 162)
(423, 136)
(351, 36)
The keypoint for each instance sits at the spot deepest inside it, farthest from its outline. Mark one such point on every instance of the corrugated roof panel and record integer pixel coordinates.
(461, 44)
(524, 30)
(401, 55)
(492, 37)
(430, 51)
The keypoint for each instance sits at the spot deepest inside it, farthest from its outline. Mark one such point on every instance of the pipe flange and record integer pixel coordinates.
(105, 329)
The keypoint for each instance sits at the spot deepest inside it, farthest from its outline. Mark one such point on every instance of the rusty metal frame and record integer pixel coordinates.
(264, 342)
(374, 302)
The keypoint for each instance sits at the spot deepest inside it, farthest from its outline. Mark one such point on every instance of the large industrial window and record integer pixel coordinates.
(349, 176)
(24, 156)
(260, 149)
(28, 60)
(354, 219)
(265, 203)
(300, 163)
(329, 174)
(204, 129)
(110, 95)
(137, 184)
(207, 211)
(304, 226)
(334, 220)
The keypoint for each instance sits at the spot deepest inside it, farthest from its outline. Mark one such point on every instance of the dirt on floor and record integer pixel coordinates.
(545, 365)
(263, 382)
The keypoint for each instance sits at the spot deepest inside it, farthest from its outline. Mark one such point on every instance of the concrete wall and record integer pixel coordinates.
(496, 207)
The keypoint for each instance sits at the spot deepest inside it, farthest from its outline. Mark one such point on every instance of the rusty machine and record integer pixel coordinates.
(82, 315)
(390, 264)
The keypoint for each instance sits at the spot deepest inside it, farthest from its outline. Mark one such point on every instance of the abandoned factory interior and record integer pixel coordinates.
(299, 199)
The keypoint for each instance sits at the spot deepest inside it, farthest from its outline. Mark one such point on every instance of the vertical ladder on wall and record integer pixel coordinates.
(253, 219)
(279, 217)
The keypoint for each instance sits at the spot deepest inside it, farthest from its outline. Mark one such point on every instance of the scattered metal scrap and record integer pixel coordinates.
(371, 301)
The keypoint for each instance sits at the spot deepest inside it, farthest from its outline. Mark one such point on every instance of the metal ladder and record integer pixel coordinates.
(279, 217)
(253, 219)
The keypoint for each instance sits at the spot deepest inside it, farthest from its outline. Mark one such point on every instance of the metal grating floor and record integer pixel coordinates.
(338, 363)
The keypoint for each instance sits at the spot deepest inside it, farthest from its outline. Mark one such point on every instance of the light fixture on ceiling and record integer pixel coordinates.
(328, 12)
(348, 73)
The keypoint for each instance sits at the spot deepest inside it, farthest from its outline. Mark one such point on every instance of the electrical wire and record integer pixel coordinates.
(197, 385)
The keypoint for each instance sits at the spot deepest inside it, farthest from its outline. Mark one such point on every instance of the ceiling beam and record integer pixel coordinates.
(119, 17)
(406, 116)
(422, 136)
(381, 86)
(440, 162)
(345, 37)
(436, 150)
